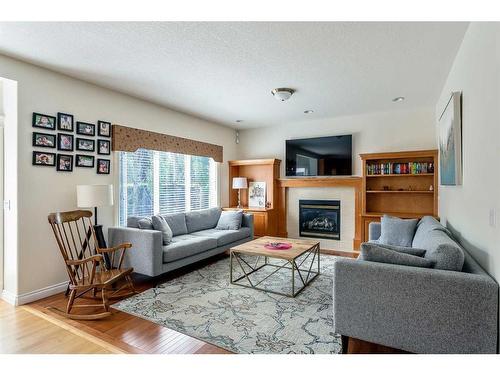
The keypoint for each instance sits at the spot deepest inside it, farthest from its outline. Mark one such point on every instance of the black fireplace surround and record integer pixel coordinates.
(319, 219)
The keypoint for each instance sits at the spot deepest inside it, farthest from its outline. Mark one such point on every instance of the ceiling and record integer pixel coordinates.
(224, 71)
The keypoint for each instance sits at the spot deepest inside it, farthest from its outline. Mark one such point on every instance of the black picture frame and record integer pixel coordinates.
(104, 129)
(36, 137)
(36, 121)
(80, 165)
(62, 125)
(101, 142)
(37, 161)
(81, 128)
(68, 165)
(60, 137)
(106, 163)
(80, 148)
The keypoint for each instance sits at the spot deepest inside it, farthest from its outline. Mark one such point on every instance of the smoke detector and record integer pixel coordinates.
(282, 93)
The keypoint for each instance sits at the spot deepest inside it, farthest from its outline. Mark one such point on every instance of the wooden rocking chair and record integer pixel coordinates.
(85, 264)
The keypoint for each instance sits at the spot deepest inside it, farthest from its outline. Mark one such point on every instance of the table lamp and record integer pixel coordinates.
(239, 183)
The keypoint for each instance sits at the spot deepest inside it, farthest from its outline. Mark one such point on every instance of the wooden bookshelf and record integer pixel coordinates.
(262, 170)
(403, 194)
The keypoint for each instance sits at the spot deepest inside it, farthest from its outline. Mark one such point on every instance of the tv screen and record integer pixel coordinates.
(323, 156)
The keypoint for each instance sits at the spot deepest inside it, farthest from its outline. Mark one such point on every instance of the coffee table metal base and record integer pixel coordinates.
(305, 275)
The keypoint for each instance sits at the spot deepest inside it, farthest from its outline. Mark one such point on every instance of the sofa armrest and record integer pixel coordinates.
(374, 230)
(146, 255)
(419, 310)
(247, 221)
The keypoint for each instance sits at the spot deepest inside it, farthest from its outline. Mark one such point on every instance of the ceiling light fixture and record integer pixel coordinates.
(282, 93)
(239, 121)
(398, 99)
(308, 111)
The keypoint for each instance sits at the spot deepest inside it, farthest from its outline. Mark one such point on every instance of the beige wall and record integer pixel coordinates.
(466, 209)
(43, 190)
(376, 132)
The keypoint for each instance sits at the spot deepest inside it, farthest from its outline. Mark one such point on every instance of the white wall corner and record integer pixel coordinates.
(22, 299)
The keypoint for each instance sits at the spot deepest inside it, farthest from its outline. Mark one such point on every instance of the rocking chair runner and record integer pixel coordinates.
(85, 264)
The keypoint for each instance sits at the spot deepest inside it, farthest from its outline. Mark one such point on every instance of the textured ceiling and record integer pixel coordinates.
(225, 71)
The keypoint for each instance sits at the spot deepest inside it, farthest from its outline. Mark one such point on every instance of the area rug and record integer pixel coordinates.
(205, 305)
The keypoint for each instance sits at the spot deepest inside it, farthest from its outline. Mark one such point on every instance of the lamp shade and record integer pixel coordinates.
(94, 195)
(240, 183)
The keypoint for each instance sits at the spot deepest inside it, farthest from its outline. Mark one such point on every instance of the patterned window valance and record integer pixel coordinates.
(131, 139)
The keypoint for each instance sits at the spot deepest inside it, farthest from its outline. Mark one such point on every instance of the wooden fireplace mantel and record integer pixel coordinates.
(319, 182)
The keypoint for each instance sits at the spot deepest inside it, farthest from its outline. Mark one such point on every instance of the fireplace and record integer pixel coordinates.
(319, 219)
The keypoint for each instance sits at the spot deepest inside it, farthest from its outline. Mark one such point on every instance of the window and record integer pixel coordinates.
(156, 182)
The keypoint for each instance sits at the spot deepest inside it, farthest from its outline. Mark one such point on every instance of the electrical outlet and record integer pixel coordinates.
(493, 217)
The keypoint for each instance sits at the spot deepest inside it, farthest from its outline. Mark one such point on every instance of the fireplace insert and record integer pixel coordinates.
(319, 219)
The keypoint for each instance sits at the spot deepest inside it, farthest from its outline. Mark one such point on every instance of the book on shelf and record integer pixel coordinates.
(399, 168)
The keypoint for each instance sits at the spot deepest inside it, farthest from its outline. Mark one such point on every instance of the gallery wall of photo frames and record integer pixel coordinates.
(76, 142)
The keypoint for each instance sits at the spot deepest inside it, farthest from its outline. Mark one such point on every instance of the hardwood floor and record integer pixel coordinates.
(127, 333)
(24, 332)
(120, 333)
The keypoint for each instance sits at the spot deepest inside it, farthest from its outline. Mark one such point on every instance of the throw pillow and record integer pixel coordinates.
(396, 231)
(230, 220)
(403, 249)
(375, 253)
(145, 223)
(159, 223)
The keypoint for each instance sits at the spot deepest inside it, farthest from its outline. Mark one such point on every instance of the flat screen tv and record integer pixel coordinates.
(323, 156)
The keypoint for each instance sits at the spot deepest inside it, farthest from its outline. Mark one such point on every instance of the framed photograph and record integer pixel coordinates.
(85, 128)
(64, 122)
(44, 140)
(83, 144)
(103, 147)
(257, 194)
(64, 163)
(64, 142)
(47, 159)
(450, 141)
(44, 121)
(84, 161)
(103, 129)
(103, 166)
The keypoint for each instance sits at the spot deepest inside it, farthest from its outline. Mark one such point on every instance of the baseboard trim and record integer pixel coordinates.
(9, 297)
(22, 299)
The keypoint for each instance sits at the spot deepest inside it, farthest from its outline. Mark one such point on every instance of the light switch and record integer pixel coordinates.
(6, 205)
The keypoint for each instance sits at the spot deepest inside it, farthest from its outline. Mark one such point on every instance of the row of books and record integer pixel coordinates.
(399, 168)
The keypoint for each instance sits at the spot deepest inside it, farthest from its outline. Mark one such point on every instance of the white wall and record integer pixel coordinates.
(465, 209)
(43, 190)
(386, 131)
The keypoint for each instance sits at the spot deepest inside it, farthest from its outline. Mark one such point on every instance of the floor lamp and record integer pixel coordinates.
(93, 196)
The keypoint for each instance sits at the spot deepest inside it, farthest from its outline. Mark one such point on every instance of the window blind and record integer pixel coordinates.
(157, 182)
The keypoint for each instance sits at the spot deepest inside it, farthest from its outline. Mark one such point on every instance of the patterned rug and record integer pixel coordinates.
(203, 304)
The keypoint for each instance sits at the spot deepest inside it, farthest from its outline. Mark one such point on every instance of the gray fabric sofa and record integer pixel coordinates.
(194, 238)
(420, 310)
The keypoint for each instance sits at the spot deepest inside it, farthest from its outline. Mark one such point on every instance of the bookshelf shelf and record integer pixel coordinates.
(411, 193)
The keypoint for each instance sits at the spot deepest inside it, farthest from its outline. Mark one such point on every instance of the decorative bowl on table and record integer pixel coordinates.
(278, 245)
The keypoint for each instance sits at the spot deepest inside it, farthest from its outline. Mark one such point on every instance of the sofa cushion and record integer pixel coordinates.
(186, 245)
(203, 219)
(444, 251)
(230, 220)
(159, 223)
(176, 222)
(424, 226)
(375, 253)
(402, 249)
(224, 237)
(133, 221)
(145, 223)
(396, 231)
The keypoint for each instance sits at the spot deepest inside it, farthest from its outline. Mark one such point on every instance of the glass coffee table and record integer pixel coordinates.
(258, 263)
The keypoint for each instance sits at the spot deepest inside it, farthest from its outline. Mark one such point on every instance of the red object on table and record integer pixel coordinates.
(278, 246)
